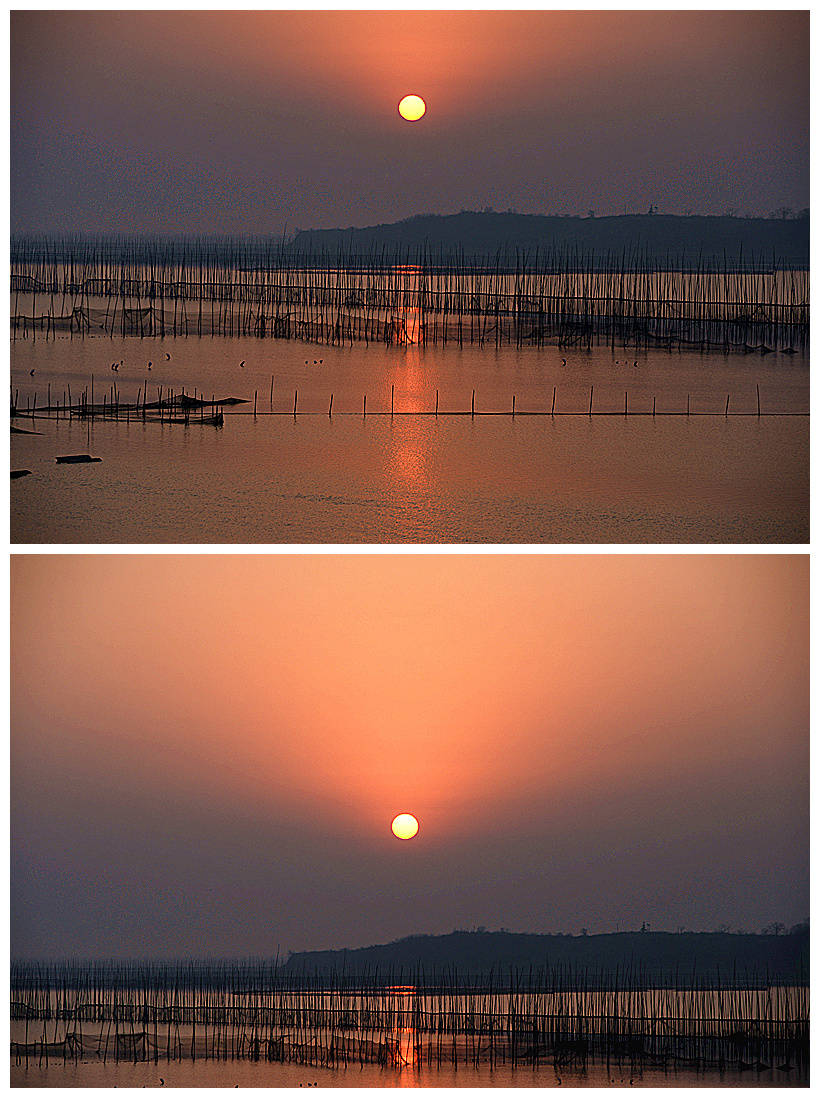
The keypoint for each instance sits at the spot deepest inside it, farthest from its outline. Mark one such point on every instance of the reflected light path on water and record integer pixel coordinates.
(364, 475)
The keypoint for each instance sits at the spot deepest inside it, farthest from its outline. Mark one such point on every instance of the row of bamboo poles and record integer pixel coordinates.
(563, 296)
(184, 408)
(142, 1012)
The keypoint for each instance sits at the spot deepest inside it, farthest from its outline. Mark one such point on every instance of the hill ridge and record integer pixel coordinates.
(486, 234)
(782, 957)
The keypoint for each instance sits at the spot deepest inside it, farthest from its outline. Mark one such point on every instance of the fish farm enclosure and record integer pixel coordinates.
(261, 288)
(139, 1012)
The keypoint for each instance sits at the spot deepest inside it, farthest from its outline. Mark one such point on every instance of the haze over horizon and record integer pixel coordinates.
(266, 122)
(207, 751)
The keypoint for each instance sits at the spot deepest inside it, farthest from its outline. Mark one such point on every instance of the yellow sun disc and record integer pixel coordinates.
(412, 107)
(405, 826)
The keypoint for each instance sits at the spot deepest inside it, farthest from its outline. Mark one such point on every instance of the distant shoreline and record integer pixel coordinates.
(783, 957)
(684, 240)
(662, 240)
(694, 955)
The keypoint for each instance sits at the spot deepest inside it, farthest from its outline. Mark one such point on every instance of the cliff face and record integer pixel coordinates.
(684, 240)
(781, 957)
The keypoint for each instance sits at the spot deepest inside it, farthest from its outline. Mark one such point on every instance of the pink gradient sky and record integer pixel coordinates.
(268, 121)
(207, 751)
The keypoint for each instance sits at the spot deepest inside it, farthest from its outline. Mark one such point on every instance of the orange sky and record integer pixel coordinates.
(265, 121)
(505, 700)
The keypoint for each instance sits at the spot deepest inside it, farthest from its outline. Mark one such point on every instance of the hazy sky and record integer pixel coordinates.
(207, 751)
(268, 121)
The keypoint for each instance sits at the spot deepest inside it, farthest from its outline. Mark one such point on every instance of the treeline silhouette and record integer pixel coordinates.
(777, 958)
(684, 240)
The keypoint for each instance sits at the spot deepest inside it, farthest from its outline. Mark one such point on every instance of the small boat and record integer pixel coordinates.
(73, 459)
(15, 473)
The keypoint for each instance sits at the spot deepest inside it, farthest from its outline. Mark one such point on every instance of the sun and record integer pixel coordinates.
(405, 826)
(412, 107)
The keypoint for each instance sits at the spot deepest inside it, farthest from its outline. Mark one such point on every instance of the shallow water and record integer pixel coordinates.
(248, 1073)
(364, 475)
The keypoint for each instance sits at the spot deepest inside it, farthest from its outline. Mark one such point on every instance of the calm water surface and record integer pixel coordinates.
(244, 1073)
(414, 477)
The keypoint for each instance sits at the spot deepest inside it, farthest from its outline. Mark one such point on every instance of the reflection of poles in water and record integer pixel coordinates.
(396, 1047)
(559, 293)
(553, 1017)
(402, 1008)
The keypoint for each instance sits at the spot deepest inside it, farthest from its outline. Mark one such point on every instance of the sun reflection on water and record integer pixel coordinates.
(403, 1034)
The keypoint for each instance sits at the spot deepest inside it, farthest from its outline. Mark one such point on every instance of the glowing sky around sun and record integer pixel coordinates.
(265, 121)
(182, 717)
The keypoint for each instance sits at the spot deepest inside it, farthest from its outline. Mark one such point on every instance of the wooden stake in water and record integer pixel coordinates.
(552, 413)
(330, 409)
(758, 400)
(591, 389)
(727, 404)
(472, 406)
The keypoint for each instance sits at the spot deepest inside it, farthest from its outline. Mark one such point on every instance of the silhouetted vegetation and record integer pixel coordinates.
(784, 958)
(681, 241)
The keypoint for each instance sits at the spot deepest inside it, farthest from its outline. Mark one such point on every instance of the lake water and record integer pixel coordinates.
(246, 1073)
(364, 475)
